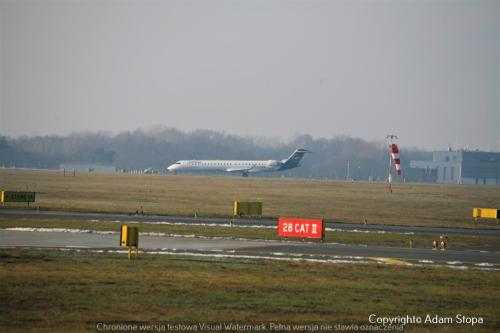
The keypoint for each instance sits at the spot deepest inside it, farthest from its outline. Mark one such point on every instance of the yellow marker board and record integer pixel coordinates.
(491, 213)
(133, 236)
(14, 196)
(242, 208)
(123, 235)
(129, 236)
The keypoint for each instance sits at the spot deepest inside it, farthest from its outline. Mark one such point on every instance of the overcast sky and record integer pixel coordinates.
(428, 71)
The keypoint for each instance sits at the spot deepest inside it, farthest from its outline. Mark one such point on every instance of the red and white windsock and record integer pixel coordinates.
(393, 148)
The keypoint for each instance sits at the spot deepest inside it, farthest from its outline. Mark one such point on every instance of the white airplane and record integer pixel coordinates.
(239, 166)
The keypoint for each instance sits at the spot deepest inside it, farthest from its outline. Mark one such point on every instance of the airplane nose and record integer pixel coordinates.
(171, 168)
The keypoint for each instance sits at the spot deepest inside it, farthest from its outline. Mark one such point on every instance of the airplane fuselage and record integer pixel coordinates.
(226, 165)
(243, 167)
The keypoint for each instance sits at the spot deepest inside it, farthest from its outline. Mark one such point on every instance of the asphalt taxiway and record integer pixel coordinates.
(28, 237)
(57, 215)
(81, 239)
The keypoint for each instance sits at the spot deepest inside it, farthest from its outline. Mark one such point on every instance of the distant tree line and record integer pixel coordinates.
(160, 147)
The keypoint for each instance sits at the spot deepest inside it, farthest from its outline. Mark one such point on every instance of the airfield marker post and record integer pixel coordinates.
(491, 213)
(129, 237)
(248, 209)
(16, 196)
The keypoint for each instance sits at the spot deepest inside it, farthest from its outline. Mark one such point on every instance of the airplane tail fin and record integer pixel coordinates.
(294, 159)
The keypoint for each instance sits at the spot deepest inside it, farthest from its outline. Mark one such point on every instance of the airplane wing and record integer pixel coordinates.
(244, 170)
(239, 169)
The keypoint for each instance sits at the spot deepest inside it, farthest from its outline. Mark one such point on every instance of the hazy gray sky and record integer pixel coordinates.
(428, 71)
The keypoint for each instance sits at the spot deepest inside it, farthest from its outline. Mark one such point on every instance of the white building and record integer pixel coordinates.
(462, 167)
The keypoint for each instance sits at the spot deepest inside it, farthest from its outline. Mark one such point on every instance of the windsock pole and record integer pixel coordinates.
(389, 177)
(390, 138)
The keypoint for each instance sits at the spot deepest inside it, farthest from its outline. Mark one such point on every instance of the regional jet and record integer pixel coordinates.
(238, 166)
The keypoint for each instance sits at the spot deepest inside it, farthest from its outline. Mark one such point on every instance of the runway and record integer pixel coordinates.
(250, 248)
(34, 214)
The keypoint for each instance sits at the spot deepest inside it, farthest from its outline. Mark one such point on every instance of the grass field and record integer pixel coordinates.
(70, 291)
(67, 291)
(486, 243)
(410, 204)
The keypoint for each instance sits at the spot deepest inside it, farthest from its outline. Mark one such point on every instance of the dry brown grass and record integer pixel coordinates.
(410, 204)
(55, 291)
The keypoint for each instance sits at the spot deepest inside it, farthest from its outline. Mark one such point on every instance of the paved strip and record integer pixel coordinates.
(34, 214)
(466, 256)
(93, 240)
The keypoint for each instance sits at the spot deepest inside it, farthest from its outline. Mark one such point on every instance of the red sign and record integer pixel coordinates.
(292, 227)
